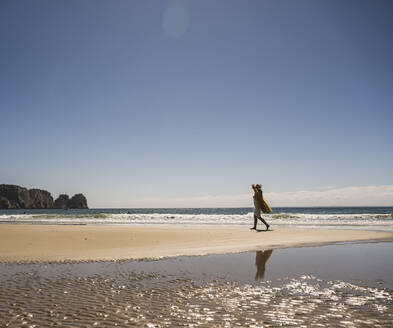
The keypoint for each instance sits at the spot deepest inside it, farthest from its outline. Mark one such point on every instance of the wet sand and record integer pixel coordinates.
(330, 286)
(48, 243)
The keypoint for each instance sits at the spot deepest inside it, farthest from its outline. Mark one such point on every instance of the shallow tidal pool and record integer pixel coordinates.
(348, 285)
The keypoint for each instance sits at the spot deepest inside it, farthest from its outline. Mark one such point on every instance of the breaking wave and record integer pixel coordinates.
(365, 221)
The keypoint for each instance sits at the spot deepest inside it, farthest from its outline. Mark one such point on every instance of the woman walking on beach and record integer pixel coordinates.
(259, 205)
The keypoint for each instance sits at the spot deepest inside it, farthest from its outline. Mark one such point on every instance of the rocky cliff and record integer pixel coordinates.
(62, 202)
(4, 202)
(18, 197)
(40, 199)
(14, 197)
(76, 201)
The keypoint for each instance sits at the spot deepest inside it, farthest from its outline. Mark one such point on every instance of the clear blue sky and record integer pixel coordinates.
(123, 100)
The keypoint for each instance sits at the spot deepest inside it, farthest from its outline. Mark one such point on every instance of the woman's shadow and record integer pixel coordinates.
(261, 259)
(263, 230)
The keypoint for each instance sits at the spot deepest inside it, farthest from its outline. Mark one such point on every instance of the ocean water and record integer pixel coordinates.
(364, 218)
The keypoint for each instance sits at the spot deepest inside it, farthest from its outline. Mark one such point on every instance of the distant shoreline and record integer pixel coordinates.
(195, 208)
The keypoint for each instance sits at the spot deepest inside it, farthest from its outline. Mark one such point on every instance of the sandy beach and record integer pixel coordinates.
(47, 243)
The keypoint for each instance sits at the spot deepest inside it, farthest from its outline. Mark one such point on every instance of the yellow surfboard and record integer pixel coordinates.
(265, 207)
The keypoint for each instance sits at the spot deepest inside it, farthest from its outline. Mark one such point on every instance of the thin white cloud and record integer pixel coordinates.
(345, 196)
(325, 196)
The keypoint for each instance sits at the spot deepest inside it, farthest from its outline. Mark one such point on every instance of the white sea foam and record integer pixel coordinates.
(351, 221)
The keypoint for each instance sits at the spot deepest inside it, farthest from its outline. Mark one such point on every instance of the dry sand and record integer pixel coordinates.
(25, 243)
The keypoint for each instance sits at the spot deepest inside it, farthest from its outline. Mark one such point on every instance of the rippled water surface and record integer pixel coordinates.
(331, 286)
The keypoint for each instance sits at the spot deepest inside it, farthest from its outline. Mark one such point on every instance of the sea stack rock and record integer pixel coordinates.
(4, 203)
(62, 202)
(40, 199)
(18, 197)
(77, 201)
(14, 197)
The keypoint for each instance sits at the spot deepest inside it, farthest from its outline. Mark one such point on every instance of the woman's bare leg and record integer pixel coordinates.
(255, 223)
(266, 224)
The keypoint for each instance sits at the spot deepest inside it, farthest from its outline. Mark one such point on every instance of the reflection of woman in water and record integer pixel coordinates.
(260, 261)
(259, 205)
